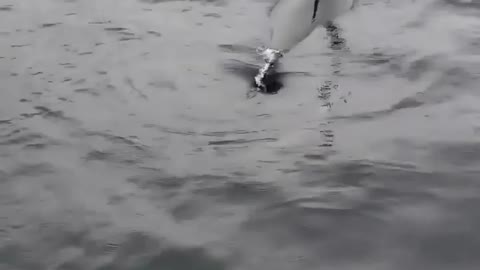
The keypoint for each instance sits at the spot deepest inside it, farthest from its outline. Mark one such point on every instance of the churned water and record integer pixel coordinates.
(128, 139)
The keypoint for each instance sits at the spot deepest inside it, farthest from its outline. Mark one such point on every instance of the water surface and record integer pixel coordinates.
(127, 140)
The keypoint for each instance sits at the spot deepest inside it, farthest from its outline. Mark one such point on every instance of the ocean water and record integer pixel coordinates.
(129, 139)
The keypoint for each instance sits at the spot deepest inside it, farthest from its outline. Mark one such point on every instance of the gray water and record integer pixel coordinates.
(127, 140)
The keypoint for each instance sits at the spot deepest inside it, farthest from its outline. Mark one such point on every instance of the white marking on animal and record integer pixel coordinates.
(293, 20)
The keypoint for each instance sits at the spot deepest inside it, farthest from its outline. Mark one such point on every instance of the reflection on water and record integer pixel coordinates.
(127, 141)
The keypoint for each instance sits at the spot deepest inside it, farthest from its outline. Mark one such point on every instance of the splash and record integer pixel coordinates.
(270, 56)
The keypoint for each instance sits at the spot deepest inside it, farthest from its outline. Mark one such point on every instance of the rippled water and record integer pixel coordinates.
(127, 140)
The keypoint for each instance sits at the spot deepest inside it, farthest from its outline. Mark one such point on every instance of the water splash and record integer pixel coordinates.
(270, 56)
